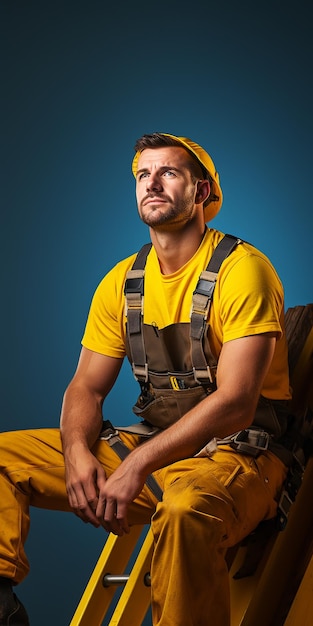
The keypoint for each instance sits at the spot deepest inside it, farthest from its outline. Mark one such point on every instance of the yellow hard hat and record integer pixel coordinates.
(214, 202)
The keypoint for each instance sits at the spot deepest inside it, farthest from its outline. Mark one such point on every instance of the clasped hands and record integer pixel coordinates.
(100, 500)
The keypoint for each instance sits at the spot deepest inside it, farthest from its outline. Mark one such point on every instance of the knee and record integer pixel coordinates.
(190, 508)
(188, 505)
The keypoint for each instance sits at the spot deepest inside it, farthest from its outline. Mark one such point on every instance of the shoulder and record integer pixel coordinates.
(250, 264)
(117, 274)
(244, 257)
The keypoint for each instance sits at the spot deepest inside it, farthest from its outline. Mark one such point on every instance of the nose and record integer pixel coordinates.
(153, 182)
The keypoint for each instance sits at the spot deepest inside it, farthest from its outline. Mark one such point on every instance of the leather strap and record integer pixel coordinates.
(110, 434)
(205, 366)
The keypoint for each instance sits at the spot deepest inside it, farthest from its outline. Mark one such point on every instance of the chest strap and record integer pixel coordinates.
(204, 367)
(134, 292)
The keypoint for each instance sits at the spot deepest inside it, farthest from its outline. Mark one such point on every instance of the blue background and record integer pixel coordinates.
(81, 81)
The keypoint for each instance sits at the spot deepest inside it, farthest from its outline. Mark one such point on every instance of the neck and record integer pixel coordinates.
(174, 249)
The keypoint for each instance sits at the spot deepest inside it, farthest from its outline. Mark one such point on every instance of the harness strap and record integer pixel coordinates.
(110, 434)
(222, 250)
(250, 441)
(140, 260)
(204, 366)
(134, 292)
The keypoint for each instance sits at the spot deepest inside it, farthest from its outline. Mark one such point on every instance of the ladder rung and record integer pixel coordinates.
(114, 579)
(109, 580)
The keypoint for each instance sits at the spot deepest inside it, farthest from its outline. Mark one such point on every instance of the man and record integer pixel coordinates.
(213, 493)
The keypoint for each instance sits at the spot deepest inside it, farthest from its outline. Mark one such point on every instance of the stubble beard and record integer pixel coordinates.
(173, 215)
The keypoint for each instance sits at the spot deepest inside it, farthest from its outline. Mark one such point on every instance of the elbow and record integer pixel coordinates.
(245, 408)
(240, 409)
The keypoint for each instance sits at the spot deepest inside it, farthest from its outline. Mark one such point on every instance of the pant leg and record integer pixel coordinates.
(32, 474)
(208, 505)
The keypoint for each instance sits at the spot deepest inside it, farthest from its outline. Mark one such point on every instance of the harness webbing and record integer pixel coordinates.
(141, 258)
(110, 434)
(204, 367)
(134, 291)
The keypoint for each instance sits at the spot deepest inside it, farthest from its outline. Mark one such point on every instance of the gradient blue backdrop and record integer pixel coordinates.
(81, 81)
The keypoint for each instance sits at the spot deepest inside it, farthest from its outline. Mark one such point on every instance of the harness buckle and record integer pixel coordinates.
(251, 441)
(203, 375)
(141, 372)
(288, 495)
(283, 509)
(108, 434)
(134, 282)
(206, 283)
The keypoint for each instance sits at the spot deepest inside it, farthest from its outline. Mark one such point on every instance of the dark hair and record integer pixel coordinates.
(155, 140)
(158, 140)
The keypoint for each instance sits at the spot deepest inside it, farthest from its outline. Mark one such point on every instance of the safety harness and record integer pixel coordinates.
(171, 384)
(204, 366)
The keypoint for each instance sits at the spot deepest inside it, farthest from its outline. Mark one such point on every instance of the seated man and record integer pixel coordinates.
(209, 364)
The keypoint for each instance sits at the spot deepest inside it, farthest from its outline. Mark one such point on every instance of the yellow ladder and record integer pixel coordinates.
(109, 572)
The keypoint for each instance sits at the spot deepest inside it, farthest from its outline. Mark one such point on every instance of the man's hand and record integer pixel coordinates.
(96, 499)
(119, 490)
(85, 479)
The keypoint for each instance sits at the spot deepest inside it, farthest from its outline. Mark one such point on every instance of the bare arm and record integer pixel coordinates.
(242, 367)
(81, 420)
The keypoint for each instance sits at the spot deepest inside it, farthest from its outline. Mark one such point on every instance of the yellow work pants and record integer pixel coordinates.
(208, 506)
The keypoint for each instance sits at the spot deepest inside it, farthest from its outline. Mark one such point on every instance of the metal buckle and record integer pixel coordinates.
(283, 509)
(203, 375)
(141, 372)
(109, 435)
(251, 441)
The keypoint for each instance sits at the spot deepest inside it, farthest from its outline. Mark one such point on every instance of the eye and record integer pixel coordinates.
(169, 173)
(143, 175)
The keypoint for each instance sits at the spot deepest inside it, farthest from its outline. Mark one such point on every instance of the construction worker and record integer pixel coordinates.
(208, 380)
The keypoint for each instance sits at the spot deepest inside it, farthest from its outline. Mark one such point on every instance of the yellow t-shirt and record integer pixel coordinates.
(248, 300)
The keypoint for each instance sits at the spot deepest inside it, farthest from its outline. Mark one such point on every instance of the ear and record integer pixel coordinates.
(203, 191)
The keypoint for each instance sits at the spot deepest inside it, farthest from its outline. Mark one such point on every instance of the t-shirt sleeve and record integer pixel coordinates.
(251, 298)
(104, 332)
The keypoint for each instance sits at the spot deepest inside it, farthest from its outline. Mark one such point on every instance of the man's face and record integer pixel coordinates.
(165, 189)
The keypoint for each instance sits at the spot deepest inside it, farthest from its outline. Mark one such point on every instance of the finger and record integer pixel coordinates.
(121, 516)
(115, 517)
(85, 512)
(110, 521)
(101, 500)
(83, 509)
(90, 496)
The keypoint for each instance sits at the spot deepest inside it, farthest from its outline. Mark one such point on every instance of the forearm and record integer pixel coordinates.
(81, 417)
(242, 368)
(216, 416)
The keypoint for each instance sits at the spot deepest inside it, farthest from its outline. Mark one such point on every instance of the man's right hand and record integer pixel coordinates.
(85, 477)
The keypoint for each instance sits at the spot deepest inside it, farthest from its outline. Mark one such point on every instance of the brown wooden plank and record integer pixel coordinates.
(298, 323)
